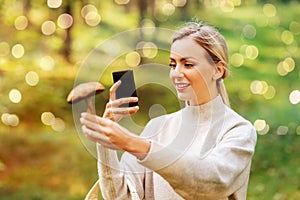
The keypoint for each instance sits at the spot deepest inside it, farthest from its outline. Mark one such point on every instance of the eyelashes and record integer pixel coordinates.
(173, 65)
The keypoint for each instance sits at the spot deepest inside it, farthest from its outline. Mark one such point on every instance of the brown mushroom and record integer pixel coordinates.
(85, 91)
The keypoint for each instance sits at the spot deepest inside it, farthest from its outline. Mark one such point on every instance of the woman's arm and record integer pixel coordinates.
(114, 182)
(220, 173)
(113, 176)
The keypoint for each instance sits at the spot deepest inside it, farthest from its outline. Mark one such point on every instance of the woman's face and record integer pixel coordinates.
(192, 72)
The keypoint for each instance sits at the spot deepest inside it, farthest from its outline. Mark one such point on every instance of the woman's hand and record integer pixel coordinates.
(113, 111)
(111, 135)
(103, 131)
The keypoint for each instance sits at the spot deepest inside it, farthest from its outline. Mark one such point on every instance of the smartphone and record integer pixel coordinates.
(127, 87)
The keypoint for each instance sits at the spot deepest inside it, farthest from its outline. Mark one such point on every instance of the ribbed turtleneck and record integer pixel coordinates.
(202, 113)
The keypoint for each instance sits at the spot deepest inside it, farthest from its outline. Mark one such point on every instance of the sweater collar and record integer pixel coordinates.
(205, 111)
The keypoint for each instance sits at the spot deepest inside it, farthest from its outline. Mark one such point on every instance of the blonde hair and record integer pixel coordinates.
(214, 43)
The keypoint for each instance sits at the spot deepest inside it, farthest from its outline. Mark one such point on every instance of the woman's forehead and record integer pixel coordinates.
(187, 48)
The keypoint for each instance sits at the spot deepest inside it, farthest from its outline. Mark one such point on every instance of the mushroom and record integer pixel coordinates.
(85, 91)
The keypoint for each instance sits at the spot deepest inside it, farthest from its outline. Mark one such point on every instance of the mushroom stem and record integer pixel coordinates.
(91, 108)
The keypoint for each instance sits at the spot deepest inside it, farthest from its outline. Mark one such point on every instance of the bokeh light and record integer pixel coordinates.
(32, 78)
(54, 3)
(47, 118)
(88, 8)
(10, 119)
(261, 127)
(149, 50)
(251, 52)
(147, 23)
(37, 16)
(270, 93)
(249, 31)
(15, 96)
(18, 51)
(298, 130)
(48, 28)
(243, 49)
(58, 124)
(287, 37)
(227, 6)
(65, 21)
(295, 27)
(4, 49)
(260, 124)
(147, 27)
(122, 2)
(282, 130)
(286, 66)
(47, 63)
(274, 21)
(168, 9)
(237, 60)
(92, 19)
(133, 59)
(290, 64)
(261, 20)
(90, 14)
(21, 23)
(179, 3)
(294, 97)
(259, 87)
(269, 10)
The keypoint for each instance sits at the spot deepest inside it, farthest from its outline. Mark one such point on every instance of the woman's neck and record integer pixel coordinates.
(203, 99)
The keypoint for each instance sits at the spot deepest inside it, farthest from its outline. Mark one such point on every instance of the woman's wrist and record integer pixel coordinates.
(138, 147)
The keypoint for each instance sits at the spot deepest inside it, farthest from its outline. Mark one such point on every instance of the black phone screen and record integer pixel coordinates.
(127, 87)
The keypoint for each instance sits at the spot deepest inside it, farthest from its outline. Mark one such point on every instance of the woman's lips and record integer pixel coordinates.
(181, 86)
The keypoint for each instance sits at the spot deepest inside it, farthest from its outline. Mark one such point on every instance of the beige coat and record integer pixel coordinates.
(199, 152)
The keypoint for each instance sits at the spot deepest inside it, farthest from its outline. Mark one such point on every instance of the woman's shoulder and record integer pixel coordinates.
(235, 116)
(157, 123)
(234, 120)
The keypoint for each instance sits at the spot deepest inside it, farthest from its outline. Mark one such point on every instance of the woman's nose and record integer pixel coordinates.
(178, 71)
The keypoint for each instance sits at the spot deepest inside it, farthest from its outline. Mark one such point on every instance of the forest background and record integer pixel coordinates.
(44, 44)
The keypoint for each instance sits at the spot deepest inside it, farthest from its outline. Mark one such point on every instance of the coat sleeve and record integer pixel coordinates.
(222, 171)
(125, 178)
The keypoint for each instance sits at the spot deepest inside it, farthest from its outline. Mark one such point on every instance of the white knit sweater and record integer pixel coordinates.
(199, 152)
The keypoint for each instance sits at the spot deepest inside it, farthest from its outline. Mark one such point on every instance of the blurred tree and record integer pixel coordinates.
(68, 40)
(142, 6)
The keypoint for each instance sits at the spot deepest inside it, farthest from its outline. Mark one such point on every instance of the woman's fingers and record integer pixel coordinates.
(88, 117)
(125, 111)
(113, 89)
(121, 101)
(94, 135)
(94, 122)
(99, 138)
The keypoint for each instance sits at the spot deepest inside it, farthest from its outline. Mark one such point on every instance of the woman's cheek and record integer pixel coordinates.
(172, 75)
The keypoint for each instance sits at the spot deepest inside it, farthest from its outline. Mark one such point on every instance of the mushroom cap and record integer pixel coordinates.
(84, 90)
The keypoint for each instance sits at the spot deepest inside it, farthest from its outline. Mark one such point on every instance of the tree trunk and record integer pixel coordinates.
(68, 40)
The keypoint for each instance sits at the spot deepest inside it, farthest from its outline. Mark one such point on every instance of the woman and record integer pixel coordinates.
(202, 151)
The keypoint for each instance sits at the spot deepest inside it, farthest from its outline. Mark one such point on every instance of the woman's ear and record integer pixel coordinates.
(220, 70)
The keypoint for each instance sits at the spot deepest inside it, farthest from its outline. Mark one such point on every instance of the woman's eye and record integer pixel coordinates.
(189, 65)
(173, 65)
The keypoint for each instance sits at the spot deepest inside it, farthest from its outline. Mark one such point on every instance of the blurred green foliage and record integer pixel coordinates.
(42, 161)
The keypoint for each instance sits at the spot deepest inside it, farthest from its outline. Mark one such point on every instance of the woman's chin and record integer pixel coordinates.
(182, 97)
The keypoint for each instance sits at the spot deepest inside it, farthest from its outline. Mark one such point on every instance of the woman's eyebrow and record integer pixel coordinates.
(184, 58)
